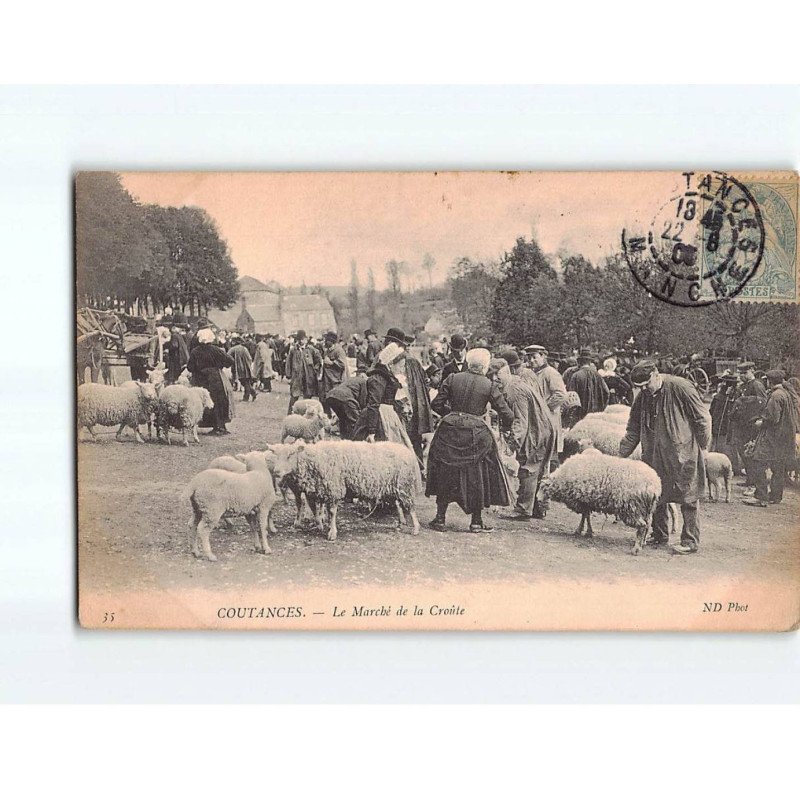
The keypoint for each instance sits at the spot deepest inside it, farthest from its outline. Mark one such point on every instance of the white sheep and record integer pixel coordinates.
(99, 404)
(331, 471)
(230, 463)
(183, 378)
(617, 410)
(602, 431)
(215, 492)
(310, 428)
(719, 470)
(594, 481)
(181, 407)
(304, 405)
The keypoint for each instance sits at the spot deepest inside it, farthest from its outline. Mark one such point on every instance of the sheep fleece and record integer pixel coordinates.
(99, 404)
(607, 484)
(182, 406)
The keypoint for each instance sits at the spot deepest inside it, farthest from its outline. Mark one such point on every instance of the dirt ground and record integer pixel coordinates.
(133, 525)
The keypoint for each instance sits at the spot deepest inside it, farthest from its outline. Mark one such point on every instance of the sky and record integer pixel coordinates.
(307, 227)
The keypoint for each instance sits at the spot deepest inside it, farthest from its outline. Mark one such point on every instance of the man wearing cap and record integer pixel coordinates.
(303, 365)
(334, 366)
(591, 388)
(367, 352)
(748, 407)
(458, 362)
(533, 435)
(775, 445)
(552, 386)
(242, 367)
(670, 421)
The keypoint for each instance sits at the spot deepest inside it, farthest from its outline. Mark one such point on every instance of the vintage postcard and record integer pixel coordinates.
(438, 401)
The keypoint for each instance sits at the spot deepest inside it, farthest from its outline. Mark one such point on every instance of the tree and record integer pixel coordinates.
(472, 285)
(582, 288)
(116, 249)
(526, 301)
(428, 263)
(370, 299)
(395, 271)
(353, 296)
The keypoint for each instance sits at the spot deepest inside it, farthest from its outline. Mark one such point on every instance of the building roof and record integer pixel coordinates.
(305, 302)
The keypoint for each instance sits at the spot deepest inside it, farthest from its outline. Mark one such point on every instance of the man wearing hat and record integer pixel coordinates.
(552, 387)
(458, 362)
(334, 366)
(591, 388)
(775, 445)
(751, 399)
(418, 389)
(242, 367)
(303, 366)
(533, 435)
(720, 409)
(367, 352)
(670, 421)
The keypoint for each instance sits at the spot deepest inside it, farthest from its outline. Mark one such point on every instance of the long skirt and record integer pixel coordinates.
(464, 465)
(221, 391)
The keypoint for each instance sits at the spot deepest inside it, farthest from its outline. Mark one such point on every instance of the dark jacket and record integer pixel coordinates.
(382, 387)
(673, 427)
(591, 389)
(333, 369)
(418, 384)
(452, 367)
(469, 393)
(242, 362)
(779, 423)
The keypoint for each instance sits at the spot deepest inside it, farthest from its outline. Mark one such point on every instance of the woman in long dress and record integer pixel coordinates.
(379, 420)
(206, 363)
(463, 463)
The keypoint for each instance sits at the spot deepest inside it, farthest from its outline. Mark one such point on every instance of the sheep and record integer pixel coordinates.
(603, 432)
(230, 463)
(147, 414)
(310, 428)
(718, 470)
(331, 471)
(215, 492)
(304, 405)
(617, 410)
(183, 379)
(594, 481)
(99, 404)
(181, 407)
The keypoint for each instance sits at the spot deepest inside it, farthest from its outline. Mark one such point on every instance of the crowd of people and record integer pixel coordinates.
(464, 402)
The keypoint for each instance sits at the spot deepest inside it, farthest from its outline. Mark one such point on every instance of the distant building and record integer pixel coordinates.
(264, 308)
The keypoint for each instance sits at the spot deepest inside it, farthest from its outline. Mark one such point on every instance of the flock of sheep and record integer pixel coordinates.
(322, 472)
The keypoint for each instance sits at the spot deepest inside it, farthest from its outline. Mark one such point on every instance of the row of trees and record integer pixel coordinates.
(522, 298)
(131, 255)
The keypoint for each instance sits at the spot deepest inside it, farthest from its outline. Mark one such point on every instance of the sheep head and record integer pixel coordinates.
(286, 459)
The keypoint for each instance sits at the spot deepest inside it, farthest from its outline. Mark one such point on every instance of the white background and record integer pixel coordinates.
(47, 134)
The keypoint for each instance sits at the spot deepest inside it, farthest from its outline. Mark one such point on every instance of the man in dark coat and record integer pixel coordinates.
(303, 369)
(533, 434)
(417, 386)
(242, 367)
(747, 408)
(775, 445)
(368, 351)
(590, 387)
(458, 362)
(334, 366)
(177, 355)
(672, 424)
(347, 400)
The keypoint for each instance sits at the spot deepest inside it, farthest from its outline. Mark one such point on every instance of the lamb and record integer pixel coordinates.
(307, 404)
(719, 470)
(603, 432)
(331, 471)
(310, 428)
(99, 404)
(215, 492)
(594, 481)
(182, 407)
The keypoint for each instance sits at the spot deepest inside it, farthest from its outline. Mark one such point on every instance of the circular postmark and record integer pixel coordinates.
(703, 244)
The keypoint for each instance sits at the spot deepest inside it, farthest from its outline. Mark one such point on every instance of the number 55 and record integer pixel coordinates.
(108, 616)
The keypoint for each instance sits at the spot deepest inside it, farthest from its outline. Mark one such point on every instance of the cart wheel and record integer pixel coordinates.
(701, 381)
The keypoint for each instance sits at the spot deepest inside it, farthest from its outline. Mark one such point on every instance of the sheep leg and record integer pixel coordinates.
(414, 521)
(193, 538)
(728, 487)
(185, 437)
(333, 508)
(204, 528)
(194, 434)
(262, 518)
(400, 514)
(579, 530)
(91, 432)
(642, 532)
(298, 520)
(119, 432)
(271, 527)
(589, 531)
(710, 493)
